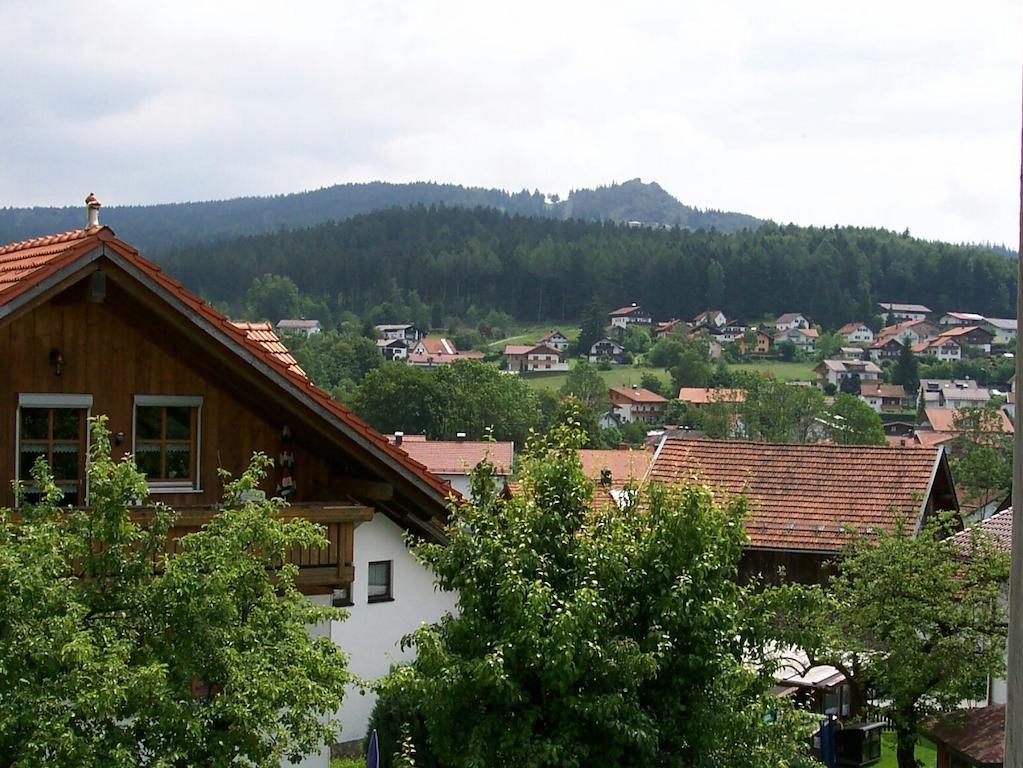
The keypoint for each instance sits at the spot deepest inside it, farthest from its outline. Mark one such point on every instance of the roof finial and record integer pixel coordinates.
(93, 206)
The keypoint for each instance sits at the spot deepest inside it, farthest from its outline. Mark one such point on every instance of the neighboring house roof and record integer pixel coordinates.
(963, 331)
(879, 389)
(297, 325)
(393, 327)
(666, 325)
(708, 315)
(1003, 323)
(622, 311)
(967, 317)
(704, 395)
(906, 325)
(851, 327)
(789, 317)
(429, 358)
(943, 419)
(849, 366)
(459, 457)
(438, 346)
(808, 497)
(551, 334)
(612, 342)
(810, 333)
(624, 465)
(31, 268)
(638, 394)
(391, 343)
(999, 526)
(884, 341)
(940, 341)
(517, 349)
(894, 307)
(975, 734)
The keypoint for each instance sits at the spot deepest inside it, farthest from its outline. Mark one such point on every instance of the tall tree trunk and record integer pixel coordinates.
(905, 750)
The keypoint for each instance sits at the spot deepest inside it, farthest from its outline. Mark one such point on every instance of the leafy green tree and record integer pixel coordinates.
(692, 368)
(273, 298)
(591, 634)
(114, 652)
(654, 383)
(906, 370)
(336, 362)
(786, 350)
(829, 345)
(593, 323)
(913, 619)
(666, 352)
(636, 339)
(776, 412)
(572, 410)
(853, 422)
(850, 384)
(981, 452)
(585, 382)
(715, 284)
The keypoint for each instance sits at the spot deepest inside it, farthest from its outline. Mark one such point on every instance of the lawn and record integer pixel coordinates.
(926, 754)
(618, 376)
(532, 334)
(348, 762)
(801, 371)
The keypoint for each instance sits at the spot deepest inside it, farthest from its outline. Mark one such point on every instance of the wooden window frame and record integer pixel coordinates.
(195, 402)
(389, 596)
(51, 401)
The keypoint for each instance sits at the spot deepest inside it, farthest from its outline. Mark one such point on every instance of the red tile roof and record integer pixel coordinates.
(26, 264)
(999, 525)
(638, 394)
(459, 457)
(880, 389)
(849, 328)
(943, 419)
(264, 335)
(635, 308)
(978, 734)
(803, 497)
(624, 465)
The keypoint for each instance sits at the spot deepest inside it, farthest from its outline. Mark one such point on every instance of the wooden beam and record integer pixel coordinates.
(375, 490)
(323, 513)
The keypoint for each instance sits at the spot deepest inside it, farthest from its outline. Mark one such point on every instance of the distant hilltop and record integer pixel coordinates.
(157, 228)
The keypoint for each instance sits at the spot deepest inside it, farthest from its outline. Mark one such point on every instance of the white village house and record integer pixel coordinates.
(790, 321)
(308, 327)
(901, 312)
(530, 358)
(857, 333)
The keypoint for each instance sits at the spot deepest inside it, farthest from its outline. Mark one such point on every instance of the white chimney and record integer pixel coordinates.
(93, 206)
(460, 436)
(398, 437)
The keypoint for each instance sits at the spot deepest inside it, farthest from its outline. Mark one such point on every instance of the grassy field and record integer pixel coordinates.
(780, 370)
(926, 754)
(532, 334)
(618, 376)
(348, 762)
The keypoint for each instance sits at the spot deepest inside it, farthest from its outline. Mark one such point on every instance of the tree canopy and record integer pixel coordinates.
(592, 634)
(115, 653)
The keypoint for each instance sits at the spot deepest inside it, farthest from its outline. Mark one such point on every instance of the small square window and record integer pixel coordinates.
(379, 580)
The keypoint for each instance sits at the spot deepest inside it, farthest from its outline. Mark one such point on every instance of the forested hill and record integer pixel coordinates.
(157, 228)
(449, 259)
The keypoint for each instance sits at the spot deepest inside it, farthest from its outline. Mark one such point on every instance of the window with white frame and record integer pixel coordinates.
(166, 441)
(54, 428)
(379, 582)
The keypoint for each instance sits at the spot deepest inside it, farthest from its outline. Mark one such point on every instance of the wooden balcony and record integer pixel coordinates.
(321, 570)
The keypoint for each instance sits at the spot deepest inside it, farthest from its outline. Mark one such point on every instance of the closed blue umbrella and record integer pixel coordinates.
(373, 753)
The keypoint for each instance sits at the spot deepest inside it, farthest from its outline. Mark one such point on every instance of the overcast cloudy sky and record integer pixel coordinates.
(898, 114)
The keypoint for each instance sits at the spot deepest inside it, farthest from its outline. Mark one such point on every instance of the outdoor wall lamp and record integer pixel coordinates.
(57, 361)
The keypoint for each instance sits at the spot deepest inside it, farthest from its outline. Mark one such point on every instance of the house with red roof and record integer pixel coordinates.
(857, 333)
(974, 335)
(89, 326)
(637, 404)
(555, 338)
(534, 358)
(808, 501)
(624, 316)
(454, 460)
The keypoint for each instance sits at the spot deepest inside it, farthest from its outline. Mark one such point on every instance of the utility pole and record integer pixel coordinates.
(1014, 711)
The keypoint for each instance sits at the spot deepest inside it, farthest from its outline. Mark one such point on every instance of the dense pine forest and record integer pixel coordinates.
(157, 228)
(452, 259)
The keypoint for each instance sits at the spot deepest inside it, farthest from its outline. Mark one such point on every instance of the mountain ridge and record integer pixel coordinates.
(165, 226)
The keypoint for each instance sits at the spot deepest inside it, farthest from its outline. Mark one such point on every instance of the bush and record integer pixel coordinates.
(395, 711)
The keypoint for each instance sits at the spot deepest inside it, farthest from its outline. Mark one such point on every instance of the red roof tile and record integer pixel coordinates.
(624, 465)
(999, 525)
(943, 419)
(978, 734)
(25, 264)
(704, 395)
(804, 497)
(459, 457)
(638, 394)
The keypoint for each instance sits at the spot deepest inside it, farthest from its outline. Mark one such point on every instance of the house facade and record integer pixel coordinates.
(790, 321)
(712, 317)
(630, 404)
(953, 393)
(307, 327)
(835, 372)
(763, 343)
(607, 349)
(900, 312)
(885, 348)
(94, 328)
(530, 358)
(404, 331)
(393, 349)
(624, 316)
(857, 333)
(972, 335)
(943, 348)
(883, 398)
(804, 338)
(960, 319)
(1002, 328)
(555, 338)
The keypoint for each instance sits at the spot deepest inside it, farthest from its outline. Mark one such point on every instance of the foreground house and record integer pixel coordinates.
(88, 326)
(807, 502)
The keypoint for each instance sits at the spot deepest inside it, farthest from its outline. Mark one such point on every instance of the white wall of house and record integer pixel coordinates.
(860, 335)
(371, 635)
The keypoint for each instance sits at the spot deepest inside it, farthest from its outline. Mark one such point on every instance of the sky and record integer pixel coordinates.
(904, 114)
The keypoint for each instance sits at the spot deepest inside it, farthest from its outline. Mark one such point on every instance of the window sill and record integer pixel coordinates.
(154, 489)
(387, 599)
